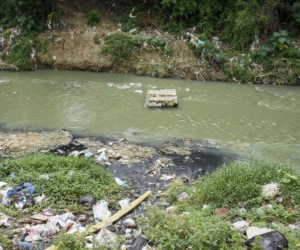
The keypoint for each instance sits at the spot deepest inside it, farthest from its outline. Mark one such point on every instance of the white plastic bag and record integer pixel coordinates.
(101, 211)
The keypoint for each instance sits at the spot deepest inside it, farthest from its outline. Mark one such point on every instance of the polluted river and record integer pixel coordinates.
(103, 116)
(253, 121)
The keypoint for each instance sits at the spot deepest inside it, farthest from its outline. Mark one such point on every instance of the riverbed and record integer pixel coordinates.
(256, 121)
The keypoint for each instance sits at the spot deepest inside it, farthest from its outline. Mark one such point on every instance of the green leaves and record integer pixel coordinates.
(69, 178)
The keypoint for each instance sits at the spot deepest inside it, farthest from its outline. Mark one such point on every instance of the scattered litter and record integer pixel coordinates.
(40, 199)
(25, 185)
(254, 231)
(44, 177)
(3, 220)
(166, 177)
(241, 225)
(88, 154)
(271, 190)
(121, 183)
(102, 157)
(24, 201)
(33, 236)
(12, 175)
(101, 211)
(124, 203)
(40, 217)
(2, 184)
(105, 236)
(25, 245)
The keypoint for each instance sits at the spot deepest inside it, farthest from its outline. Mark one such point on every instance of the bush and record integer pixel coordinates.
(93, 17)
(20, 54)
(119, 46)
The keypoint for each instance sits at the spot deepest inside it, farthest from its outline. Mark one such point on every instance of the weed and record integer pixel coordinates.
(93, 17)
(96, 39)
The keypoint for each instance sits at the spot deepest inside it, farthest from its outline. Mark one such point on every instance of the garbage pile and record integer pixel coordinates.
(38, 230)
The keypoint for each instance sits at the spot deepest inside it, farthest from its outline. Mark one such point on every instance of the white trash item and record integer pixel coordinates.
(103, 238)
(101, 211)
(3, 220)
(241, 225)
(124, 203)
(271, 190)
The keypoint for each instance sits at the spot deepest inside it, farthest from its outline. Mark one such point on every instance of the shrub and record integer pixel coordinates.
(20, 54)
(119, 46)
(93, 17)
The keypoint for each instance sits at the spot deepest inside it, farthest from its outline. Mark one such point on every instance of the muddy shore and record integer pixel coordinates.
(143, 167)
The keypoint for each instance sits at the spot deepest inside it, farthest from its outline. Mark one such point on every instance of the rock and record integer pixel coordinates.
(139, 243)
(272, 240)
(129, 223)
(87, 200)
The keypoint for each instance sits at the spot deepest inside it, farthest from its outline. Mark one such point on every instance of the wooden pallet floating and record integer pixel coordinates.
(161, 98)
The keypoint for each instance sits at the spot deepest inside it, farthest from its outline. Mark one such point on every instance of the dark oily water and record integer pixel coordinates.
(259, 121)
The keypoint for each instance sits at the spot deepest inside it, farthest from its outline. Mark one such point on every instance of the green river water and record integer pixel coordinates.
(258, 121)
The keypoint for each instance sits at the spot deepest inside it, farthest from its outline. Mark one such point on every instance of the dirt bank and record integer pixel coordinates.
(72, 47)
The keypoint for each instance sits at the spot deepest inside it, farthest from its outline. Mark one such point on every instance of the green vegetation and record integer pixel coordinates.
(20, 54)
(69, 178)
(28, 15)
(237, 186)
(120, 45)
(93, 17)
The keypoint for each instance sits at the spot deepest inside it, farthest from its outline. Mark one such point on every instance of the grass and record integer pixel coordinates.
(190, 226)
(69, 178)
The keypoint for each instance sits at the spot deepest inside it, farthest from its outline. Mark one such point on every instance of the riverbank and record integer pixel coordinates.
(110, 47)
(184, 202)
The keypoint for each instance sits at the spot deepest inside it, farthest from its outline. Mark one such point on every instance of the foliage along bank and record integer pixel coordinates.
(256, 37)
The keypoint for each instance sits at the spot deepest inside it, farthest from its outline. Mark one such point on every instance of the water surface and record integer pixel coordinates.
(259, 120)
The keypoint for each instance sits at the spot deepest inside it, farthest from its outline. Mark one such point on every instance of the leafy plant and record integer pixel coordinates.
(93, 17)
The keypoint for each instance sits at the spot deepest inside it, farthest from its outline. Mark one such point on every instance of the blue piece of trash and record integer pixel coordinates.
(25, 245)
(25, 185)
(12, 175)
(88, 155)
